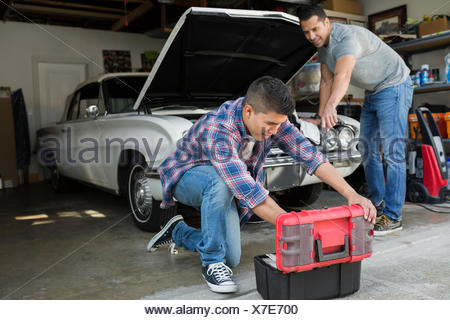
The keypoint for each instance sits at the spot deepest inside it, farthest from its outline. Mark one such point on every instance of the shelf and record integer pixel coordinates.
(432, 88)
(422, 45)
(419, 141)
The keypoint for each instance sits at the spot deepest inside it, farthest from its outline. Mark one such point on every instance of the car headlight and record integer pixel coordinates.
(331, 140)
(346, 137)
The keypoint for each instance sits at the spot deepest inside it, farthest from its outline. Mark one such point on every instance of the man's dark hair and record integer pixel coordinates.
(267, 94)
(306, 12)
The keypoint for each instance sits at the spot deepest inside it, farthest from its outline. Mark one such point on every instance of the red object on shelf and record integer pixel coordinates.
(318, 238)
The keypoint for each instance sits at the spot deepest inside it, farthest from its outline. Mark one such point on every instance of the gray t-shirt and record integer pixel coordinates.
(377, 66)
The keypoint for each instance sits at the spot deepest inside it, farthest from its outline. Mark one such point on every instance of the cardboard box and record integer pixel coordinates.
(8, 164)
(347, 6)
(438, 25)
(33, 177)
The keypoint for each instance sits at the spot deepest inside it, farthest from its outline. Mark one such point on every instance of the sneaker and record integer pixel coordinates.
(164, 237)
(385, 225)
(218, 278)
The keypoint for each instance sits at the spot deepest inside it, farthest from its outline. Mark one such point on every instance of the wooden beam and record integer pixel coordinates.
(7, 10)
(192, 3)
(131, 1)
(187, 3)
(73, 5)
(239, 3)
(64, 12)
(133, 15)
(163, 19)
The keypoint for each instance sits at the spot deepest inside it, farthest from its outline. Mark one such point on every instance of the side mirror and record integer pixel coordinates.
(92, 111)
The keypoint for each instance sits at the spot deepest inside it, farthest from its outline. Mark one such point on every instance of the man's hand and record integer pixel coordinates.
(329, 117)
(370, 213)
(333, 87)
(328, 174)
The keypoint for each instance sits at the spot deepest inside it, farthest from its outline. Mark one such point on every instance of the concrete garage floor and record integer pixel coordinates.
(84, 245)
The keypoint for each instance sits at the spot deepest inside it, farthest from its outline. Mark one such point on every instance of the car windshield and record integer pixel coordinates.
(121, 93)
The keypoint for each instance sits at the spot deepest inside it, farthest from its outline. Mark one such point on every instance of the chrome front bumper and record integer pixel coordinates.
(283, 172)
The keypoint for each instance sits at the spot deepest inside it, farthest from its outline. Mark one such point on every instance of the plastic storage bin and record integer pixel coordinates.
(447, 123)
(414, 127)
(334, 281)
(441, 120)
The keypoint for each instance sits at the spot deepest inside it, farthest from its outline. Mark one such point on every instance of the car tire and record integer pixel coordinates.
(147, 214)
(300, 196)
(59, 183)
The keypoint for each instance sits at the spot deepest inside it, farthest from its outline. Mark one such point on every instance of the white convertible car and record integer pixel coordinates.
(118, 128)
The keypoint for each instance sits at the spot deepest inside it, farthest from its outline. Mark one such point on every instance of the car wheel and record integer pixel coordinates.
(145, 210)
(59, 182)
(300, 196)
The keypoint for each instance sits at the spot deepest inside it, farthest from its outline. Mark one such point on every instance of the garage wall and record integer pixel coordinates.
(416, 9)
(22, 42)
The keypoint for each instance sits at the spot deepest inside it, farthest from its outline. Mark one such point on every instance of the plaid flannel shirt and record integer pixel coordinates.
(218, 139)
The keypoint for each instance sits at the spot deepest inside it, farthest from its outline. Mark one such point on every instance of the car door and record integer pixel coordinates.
(62, 133)
(119, 94)
(82, 136)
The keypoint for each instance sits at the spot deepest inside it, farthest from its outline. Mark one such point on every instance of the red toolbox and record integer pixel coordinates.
(317, 238)
(318, 254)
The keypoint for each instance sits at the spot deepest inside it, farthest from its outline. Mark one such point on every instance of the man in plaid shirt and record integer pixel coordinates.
(218, 169)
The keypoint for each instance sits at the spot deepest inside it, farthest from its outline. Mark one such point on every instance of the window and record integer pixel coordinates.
(74, 107)
(121, 93)
(88, 97)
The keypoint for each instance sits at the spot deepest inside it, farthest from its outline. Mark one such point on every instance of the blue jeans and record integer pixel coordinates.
(384, 119)
(219, 239)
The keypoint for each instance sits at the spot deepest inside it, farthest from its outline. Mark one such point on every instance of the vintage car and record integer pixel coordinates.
(118, 128)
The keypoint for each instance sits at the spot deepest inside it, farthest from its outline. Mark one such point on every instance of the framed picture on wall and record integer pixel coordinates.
(389, 21)
(338, 20)
(116, 61)
(358, 23)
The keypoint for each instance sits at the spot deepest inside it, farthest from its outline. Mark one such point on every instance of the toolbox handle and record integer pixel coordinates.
(332, 256)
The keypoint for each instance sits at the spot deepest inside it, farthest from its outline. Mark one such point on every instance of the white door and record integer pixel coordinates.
(56, 82)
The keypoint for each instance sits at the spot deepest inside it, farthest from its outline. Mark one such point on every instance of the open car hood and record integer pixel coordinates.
(216, 53)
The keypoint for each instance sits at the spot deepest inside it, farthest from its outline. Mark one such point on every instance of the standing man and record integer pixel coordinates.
(351, 54)
(218, 169)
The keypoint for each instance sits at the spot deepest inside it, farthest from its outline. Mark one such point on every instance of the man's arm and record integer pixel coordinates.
(328, 174)
(340, 82)
(268, 210)
(326, 82)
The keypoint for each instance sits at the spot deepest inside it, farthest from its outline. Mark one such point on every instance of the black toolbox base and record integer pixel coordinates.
(334, 281)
